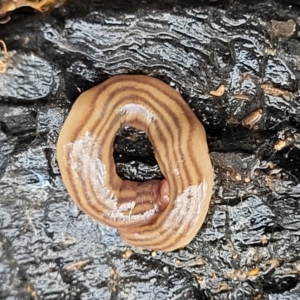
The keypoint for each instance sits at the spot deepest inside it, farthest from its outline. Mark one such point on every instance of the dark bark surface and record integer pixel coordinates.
(249, 246)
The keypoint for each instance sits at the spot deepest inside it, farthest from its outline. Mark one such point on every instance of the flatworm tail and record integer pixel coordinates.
(161, 215)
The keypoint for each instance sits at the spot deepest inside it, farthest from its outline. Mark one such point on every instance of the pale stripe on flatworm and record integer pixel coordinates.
(160, 215)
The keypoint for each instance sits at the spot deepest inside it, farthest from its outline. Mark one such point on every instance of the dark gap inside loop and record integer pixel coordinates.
(134, 155)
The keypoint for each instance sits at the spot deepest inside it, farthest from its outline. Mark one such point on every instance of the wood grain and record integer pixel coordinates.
(160, 215)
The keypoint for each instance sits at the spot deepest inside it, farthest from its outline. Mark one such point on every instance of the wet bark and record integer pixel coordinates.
(249, 245)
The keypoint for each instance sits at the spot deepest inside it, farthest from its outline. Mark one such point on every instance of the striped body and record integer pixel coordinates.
(160, 215)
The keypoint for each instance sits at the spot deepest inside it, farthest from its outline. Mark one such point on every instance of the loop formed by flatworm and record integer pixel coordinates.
(158, 214)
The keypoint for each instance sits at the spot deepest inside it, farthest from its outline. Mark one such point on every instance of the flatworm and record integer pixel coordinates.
(157, 214)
